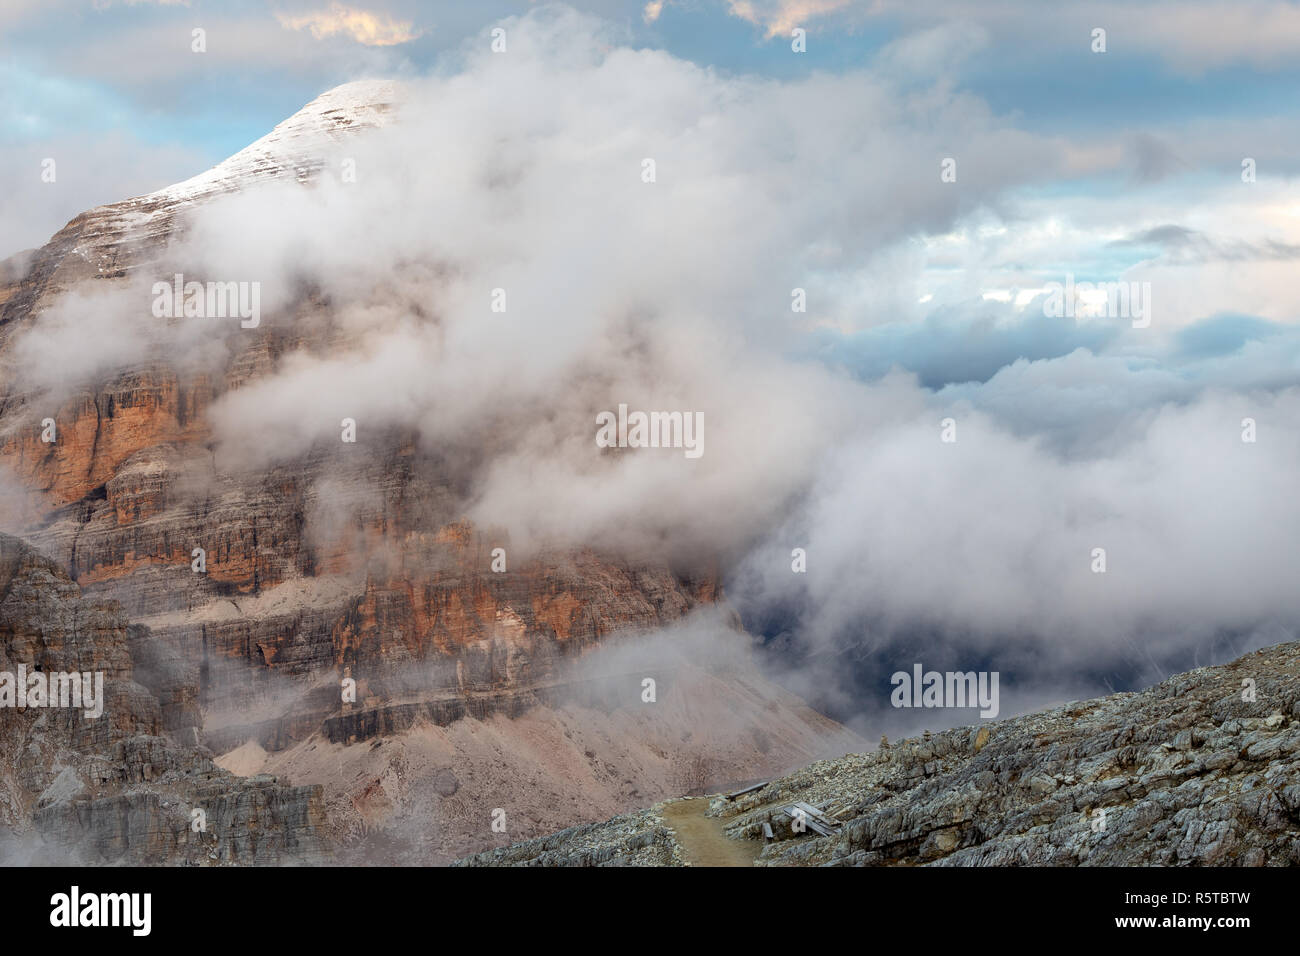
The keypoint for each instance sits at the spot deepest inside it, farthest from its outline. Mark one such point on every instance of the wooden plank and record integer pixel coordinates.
(750, 789)
(809, 821)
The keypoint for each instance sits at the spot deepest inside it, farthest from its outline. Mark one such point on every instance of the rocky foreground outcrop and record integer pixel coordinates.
(117, 788)
(1200, 770)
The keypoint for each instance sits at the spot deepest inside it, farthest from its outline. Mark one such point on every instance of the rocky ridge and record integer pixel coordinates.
(1201, 770)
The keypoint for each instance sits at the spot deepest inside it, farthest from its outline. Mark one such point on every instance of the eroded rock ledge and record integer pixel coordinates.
(120, 788)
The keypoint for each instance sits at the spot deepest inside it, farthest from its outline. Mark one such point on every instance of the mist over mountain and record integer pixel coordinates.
(325, 420)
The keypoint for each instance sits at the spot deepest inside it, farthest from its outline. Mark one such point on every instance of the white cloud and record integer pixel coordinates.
(364, 26)
(523, 172)
(779, 17)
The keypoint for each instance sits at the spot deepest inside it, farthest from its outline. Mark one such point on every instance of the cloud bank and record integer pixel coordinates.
(521, 179)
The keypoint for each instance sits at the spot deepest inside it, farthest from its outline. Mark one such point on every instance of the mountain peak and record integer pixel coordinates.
(110, 241)
(295, 146)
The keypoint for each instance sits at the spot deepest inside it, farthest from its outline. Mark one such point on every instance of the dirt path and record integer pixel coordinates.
(702, 840)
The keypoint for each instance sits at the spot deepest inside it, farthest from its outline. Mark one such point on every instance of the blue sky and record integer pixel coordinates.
(1147, 136)
(95, 69)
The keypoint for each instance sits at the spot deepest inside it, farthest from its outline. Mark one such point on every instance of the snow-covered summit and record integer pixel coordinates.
(115, 239)
(295, 146)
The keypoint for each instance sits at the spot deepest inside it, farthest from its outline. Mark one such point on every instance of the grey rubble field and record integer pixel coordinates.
(1190, 772)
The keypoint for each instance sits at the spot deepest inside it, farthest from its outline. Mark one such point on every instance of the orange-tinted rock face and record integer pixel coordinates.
(96, 432)
(320, 564)
(253, 574)
(546, 610)
(259, 593)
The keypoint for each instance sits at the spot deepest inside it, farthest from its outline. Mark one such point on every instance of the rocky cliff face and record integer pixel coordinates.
(340, 562)
(1202, 769)
(342, 597)
(117, 788)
